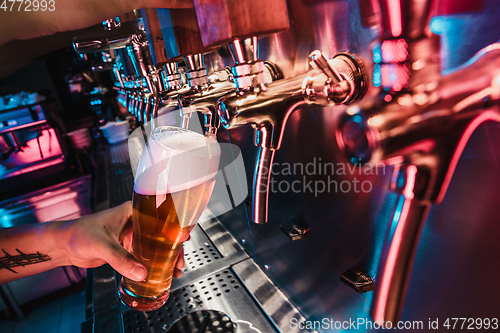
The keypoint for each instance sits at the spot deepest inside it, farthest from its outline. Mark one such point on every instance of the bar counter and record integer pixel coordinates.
(219, 275)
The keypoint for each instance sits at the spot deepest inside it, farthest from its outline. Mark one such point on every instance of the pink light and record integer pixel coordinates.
(410, 182)
(379, 315)
(488, 115)
(396, 25)
(239, 51)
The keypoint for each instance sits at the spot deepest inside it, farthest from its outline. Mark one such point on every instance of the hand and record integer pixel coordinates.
(105, 237)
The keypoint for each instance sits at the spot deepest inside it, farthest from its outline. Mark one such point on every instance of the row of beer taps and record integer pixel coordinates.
(413, 118)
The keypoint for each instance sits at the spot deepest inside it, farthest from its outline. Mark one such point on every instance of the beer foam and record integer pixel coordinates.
(176, 159)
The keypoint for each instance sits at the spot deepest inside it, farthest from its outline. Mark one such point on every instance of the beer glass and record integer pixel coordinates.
(173, 184)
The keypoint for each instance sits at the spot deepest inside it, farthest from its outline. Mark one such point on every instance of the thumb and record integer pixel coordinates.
(123, 262)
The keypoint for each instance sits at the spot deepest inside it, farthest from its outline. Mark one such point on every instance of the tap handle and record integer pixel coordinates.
(346, 81)
(222, 21)
(317, 59)
(181, 35)
(155, 37)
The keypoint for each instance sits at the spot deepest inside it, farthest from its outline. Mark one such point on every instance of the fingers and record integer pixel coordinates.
(127, 236)
(180, 260)
(123, 212)
(179, 265)
(123, 262)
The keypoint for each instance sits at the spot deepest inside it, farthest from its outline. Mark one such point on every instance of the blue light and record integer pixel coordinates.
(397, 215)
(377, 76)
(438, 25)
(357, 119)
(6, 222)
(377, 53)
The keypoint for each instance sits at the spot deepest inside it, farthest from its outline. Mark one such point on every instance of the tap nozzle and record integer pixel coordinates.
(267, 108)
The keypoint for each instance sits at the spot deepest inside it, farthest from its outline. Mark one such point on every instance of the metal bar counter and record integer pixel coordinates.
(219, 276)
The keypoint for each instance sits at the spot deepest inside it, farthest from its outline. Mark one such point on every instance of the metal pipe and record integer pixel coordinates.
(400, 246)
(108, 39)
(261, 179)
(267, 108)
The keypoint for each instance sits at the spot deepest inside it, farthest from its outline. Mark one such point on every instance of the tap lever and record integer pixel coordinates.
(346, 79)
(318, 60)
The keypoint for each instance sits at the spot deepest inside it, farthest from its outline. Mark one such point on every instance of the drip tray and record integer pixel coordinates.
(203, 321)
(203, 257)
(222, 293)
(219, 279)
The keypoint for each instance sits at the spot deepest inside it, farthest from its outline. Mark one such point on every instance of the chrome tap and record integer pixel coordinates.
(174, 83)
(147, 81)
(421, 126)
(202, 95)
(341, 80)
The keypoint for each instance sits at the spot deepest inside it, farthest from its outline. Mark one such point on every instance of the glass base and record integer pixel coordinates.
(140, 303)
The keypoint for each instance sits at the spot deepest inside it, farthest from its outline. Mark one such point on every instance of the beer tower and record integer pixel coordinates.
(267, 108)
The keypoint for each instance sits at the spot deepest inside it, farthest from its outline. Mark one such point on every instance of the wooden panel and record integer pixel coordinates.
(129, 16)
(221, 21)
(155, 37)
(181, 33)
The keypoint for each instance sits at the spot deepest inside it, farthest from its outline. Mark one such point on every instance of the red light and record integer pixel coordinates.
(394, 51)
(394, 8)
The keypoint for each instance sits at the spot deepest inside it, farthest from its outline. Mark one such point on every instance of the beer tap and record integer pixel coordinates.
(341, 80)
(202, 95)
(420, 123)
(147, 83)
(181, 36)
(267, 107)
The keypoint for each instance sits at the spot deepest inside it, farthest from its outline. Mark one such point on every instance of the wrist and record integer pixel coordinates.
(59, 236)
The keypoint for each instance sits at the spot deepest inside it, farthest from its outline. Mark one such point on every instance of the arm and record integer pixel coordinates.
(87, 242)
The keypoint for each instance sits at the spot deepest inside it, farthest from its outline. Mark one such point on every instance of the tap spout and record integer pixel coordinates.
(267, 108)
(261, 178)
(401, 243)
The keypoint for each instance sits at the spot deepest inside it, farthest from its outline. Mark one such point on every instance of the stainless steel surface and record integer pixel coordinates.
(267, 109)
(274, 303)
(195, 62)
(210, 249)
(422, 127)
(203, 99)
(109, 38)
(220, 291)
(64, 201)
(143, 101)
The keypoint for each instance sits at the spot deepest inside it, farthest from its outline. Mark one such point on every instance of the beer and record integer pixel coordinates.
(173, 184)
